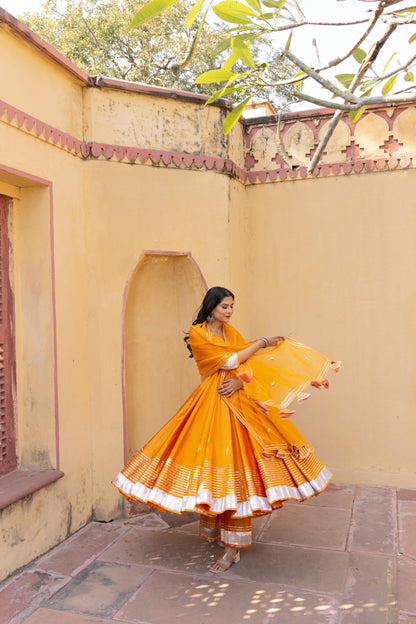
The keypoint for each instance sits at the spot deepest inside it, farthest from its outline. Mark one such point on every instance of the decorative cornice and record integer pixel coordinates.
(104, 151)
(334, 169)
(22, 121)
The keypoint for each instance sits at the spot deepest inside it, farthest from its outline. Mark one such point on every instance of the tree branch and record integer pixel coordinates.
(280, 147)
(344, 94)
(367, 62)
(325, 103)
(376, 15)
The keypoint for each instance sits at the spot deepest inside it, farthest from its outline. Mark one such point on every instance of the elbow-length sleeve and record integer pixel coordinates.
(231, 363)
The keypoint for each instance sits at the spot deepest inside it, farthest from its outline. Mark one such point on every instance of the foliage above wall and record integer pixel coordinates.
(250, 21)
(95, 35)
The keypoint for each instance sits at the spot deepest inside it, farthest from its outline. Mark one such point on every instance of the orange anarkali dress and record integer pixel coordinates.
(238, 455)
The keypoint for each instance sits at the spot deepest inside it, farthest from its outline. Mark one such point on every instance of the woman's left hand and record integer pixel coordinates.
(229, 386)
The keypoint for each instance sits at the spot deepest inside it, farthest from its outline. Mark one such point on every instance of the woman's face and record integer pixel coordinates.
(224, 310)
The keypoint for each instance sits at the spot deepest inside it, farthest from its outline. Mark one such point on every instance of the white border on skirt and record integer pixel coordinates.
(219, 505)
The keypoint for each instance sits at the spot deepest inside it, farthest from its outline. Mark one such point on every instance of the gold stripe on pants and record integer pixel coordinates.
(232, 531)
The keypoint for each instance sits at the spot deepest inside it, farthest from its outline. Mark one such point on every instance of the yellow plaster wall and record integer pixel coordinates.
(163, 291)
(335, 268)
(29, 231)
(33, 525)
(127, 118)
(38, 86)
(132, 210)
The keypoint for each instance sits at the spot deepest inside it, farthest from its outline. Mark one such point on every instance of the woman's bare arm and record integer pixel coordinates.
(259, 344)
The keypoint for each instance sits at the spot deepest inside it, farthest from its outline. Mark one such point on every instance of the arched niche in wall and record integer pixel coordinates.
(163, 295)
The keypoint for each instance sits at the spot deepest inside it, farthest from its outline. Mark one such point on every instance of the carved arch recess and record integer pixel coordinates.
(163, 294)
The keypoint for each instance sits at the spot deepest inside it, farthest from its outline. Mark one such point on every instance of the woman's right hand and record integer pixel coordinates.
(274, 340)
(257, 345)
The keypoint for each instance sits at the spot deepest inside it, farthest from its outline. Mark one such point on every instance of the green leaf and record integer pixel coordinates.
(214, 75)
(229, 17)
(345, 79)
(359, 55)
(193, 13)
(234, 116)
(412, 38)
(229, 62)
(274, 4)
(388, 62)
(289, 41)
(255, 4)
(221, 93)
(356, 114)
(408, 10)
(233, 7)
(222, 46)
(409, 76)
(226, 43)
(299, 75)
(149, 11)
(243, 52)
(368, 92)
(387, 87)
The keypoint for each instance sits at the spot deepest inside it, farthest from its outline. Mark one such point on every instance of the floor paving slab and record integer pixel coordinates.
(406, 619)
(191, 600)
(407, 527)
(368, 597)
(148, 521)
(101, 589)
(341, 497)
(80, 549)
(175, 520)
(50, 616)
(172, 550)
(310, 569)
(374, 522)
(322, 527)
(154, 566)
(24, 590)
(403, 494)
(406, 586)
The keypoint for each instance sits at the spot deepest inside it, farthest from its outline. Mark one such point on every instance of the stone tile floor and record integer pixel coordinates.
(345, 557)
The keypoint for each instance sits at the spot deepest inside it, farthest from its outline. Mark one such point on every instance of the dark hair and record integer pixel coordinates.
(212, 298)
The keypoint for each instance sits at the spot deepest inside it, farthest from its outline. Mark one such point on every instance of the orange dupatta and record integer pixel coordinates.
(273, 377)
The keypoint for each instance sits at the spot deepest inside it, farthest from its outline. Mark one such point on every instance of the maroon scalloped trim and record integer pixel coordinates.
(104, 150)
(333, 169)
(63, 140)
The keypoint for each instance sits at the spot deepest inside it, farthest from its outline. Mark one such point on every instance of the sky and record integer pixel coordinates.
(16, 7)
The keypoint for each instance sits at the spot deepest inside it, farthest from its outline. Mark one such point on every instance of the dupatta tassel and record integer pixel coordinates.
(285, 413)
(262, 406)
(316, 384)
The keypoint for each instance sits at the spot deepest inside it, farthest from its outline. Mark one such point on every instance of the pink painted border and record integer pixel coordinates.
(373, 165)
(76, 147)
(148, 252)
(199, 161)
(49, 185)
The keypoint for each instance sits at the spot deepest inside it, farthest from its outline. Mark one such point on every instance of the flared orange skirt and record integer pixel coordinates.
(220, 454)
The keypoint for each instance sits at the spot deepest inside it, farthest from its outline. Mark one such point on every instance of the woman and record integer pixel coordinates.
(228, 453)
